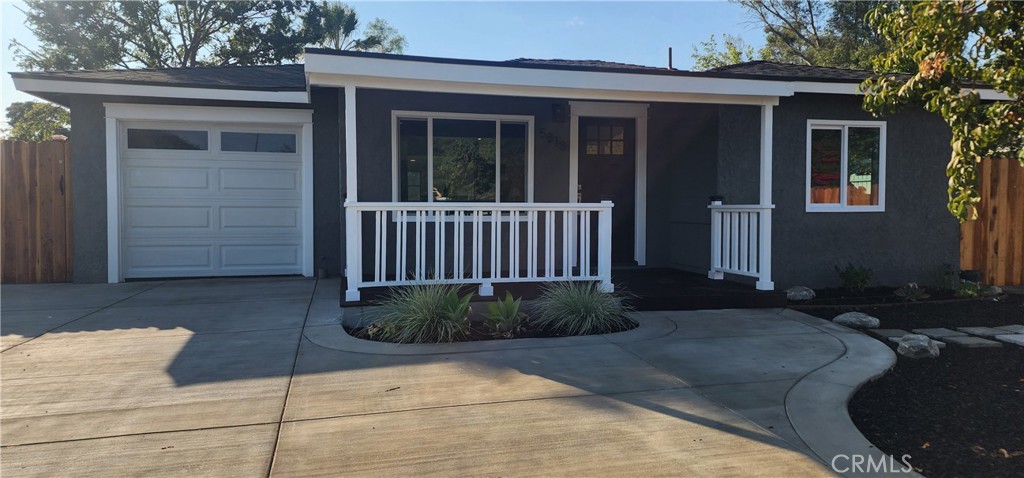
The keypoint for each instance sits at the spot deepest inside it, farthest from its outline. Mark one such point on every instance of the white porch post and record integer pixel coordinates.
(353, 229)
(764, 278)
(604, 247)
(715, 272)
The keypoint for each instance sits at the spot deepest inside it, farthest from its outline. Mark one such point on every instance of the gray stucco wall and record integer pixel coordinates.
(681, 174)
(328, 171)
(913, 238)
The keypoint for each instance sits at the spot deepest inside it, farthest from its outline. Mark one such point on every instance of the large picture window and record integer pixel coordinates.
(845, 166)
(462, 158)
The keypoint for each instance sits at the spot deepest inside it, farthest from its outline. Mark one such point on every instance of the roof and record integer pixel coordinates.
(261, 78)
(589, 64)
(792, 72)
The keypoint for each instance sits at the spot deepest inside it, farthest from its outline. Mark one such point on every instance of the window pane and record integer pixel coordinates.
(257, 142)
(513, 162)
(591, 147)
(825, 163)
(412, 160)
(862, 163)
(618, 148)
(464, 154)
(167, 139)
(617, 132)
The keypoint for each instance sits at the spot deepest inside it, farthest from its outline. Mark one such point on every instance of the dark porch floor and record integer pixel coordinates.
(654, 288)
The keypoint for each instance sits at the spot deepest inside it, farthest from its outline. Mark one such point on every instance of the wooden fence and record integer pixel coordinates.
(994, 243)
(36, 212)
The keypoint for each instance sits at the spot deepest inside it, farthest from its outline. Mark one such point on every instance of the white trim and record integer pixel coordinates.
(38, 85)
(430, 116)
(116, 114)
(638, 112)
(764, 267)
(843, 126)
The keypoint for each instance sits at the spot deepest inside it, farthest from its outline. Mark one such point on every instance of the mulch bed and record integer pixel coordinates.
(959, 415)
(478, 330)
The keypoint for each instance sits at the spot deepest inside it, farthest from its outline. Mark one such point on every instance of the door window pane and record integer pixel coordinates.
(862, 166)
(412, 160)
(464, 157)
(513, 162)
(826, 161)
(168, 139)
(258, 142)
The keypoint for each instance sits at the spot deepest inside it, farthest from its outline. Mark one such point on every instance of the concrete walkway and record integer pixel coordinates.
(255, 377)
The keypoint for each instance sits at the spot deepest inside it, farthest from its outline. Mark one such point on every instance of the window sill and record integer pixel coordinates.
(844, 209)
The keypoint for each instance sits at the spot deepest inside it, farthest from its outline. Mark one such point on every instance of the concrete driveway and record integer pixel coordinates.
(255, 377)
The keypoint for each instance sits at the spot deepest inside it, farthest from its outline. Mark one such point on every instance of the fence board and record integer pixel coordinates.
(36, 217)
(994, 243)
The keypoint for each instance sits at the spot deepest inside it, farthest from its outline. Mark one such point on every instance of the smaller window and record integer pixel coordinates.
(257, 142)
(168, 139)
(845, 166)
(605, 140)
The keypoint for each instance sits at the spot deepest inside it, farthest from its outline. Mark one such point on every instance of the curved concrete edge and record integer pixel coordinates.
(817, 406)
(333, 336)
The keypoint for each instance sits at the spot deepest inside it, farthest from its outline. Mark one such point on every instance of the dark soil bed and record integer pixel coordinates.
(478, 331)
(873, 295)
(960, 415)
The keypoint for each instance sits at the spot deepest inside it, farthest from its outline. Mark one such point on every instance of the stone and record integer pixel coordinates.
(1015, 339)
(991, 291)
(799, 293)
(890, 333)
(987, 332)
(857, 319)
(1013, 329)
(972, 342)
(939, 333)
(917, 346)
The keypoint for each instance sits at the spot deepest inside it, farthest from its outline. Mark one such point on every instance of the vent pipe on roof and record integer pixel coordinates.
(670, 58)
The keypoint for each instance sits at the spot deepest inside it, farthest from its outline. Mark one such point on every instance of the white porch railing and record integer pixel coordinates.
(476, 243)
(741, 242)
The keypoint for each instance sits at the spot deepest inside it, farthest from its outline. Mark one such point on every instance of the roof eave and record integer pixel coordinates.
(40, 86)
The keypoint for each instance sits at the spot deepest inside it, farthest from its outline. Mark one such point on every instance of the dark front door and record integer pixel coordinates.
(607, 172)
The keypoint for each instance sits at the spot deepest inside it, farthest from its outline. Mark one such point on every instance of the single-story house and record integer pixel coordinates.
(394, 169)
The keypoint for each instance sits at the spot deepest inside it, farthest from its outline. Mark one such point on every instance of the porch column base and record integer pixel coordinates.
(606, 287)
(352, 295)
(764, 285)
(716, 275)
(486, 290)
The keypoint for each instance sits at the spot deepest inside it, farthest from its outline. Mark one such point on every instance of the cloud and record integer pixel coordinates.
(575, 21)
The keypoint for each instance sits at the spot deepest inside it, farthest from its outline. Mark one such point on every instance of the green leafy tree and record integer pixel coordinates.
(953, 45)
(712, 55)
(814, 32)
(340, 25)
(37, 121)
(161, 34)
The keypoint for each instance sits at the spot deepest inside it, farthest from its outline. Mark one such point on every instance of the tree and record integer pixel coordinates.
(37, 121)
(711, 55)
(162, 34)
(955, 45)
(340, 24)
(815, 32)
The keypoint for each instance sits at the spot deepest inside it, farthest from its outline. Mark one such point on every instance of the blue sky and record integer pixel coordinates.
(630, 32)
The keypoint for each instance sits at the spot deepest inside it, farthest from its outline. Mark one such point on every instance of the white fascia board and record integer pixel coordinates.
(216, 114)
(511, 77)
(573, 93)
(37, 85)
(987, 94)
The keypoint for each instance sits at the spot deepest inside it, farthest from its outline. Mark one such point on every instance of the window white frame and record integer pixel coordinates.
(190, 118)
(844, 126)
(430, 116)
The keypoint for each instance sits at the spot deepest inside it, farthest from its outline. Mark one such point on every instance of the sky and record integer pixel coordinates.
(628, 32)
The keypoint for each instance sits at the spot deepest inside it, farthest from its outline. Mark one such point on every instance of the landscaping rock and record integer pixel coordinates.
(939, 333)
(1015, 339)
(972, 342)
(987, 332)
(799, 293)
(857, 319)
(991, 291)
(1013, 329)
(917, 346)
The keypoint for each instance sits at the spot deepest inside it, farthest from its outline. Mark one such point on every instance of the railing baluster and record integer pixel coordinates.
(458, 248)
(531, 244)
(744, 240)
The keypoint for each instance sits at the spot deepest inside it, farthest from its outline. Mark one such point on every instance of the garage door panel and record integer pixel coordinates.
(254, 256)
(247, 217)
(169, 257)
(164, 217)
(259, 179)
(154, 177)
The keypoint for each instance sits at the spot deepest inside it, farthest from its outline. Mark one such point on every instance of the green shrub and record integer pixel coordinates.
(968, 290)
(911, 292)
(422, 314)
(504, 318)
(855, 278)
(581, 308)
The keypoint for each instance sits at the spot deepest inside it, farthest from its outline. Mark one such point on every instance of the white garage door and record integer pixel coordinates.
(210, 200)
